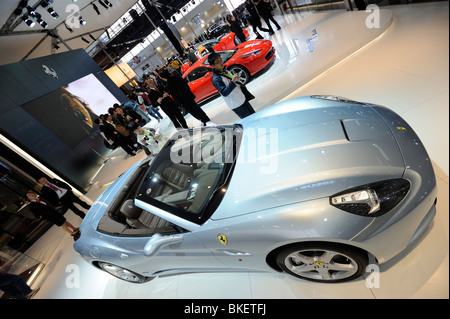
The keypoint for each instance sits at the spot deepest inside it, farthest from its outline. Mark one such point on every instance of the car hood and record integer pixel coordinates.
(307, 148)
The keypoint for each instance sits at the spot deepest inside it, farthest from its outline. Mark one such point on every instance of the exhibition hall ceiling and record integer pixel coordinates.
(19, 42)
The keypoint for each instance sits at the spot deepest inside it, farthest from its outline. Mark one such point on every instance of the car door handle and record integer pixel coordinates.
(234, 252)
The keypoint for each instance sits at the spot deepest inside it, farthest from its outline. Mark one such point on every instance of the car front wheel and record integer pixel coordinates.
(323, 262)
(244, 75)
(123, 273)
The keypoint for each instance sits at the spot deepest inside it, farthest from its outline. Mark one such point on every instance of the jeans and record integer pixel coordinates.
(14, 286)
(244, 110)
(154, 113)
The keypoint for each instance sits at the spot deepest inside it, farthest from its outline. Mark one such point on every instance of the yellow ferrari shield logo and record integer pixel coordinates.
(222, 239)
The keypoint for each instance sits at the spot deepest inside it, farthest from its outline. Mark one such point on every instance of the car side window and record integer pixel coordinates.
(197, 73)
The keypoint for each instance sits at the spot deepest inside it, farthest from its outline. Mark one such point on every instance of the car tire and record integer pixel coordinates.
(123, 273)
(323, 262)
(244, 75)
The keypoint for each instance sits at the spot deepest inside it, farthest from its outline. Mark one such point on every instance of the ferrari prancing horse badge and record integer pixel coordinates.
(222, 239)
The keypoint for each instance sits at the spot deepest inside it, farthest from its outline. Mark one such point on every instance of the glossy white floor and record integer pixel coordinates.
(404, 65)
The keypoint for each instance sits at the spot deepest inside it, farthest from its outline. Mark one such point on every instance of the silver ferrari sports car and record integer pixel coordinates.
(319, 187)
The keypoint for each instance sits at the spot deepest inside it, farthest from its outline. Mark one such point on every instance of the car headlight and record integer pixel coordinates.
(251, 53)
(373, 199)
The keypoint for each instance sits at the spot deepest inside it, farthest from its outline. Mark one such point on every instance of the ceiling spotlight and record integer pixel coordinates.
(104, 5)
(45, 3)
(18, 11)
(22, 5)
(55, 44)
(53, 13)
(28, 21)
(82, 21)
(174, 19)
(68, 28)
(42, 23)
(33, 14)
(96, 8)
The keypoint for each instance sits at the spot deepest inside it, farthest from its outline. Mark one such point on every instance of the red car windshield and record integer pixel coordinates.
(226, 55)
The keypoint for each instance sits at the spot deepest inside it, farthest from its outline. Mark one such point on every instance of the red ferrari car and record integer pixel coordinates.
(246, 59)
(228, 42)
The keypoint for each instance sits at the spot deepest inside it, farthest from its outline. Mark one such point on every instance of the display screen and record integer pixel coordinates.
(69, 111)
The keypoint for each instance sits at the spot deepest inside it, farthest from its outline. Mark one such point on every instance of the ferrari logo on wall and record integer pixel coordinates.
(49, 71)
(222, 239)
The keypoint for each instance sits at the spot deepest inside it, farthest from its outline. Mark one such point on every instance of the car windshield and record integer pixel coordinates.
(226, 55)
(190, 173)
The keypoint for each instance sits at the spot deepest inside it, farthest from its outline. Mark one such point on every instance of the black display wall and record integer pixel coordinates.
(50, 123)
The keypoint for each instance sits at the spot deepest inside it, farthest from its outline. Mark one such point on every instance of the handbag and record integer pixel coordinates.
(122, 130)
(246, 92)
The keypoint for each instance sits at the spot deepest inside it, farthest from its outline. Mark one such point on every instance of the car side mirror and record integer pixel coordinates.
(159, 241)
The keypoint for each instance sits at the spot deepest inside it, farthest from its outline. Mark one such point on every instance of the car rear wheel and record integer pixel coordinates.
(322, 262)
(123, 273)
(244, 75)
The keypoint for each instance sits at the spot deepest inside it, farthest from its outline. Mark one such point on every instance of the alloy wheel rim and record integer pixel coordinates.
(326, 265)
(241, 73)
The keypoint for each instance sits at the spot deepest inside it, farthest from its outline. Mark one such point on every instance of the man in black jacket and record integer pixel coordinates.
(161, 98)
(180, 90)
(57, 192)
(255, 19)
(41, 209)
(112, 133)
(266, 13)
(236, 28)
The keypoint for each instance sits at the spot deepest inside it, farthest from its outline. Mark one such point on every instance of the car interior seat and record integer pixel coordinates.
(138, 218)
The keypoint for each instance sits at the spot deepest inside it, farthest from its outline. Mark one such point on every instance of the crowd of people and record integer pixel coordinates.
(248, 14)
(165, 89)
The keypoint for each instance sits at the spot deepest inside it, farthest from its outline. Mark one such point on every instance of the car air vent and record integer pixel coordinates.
(336, 98)
(366, 129)
(344, 130)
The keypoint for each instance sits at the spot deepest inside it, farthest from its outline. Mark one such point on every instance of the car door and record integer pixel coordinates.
(200, 82)
(184, 254)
